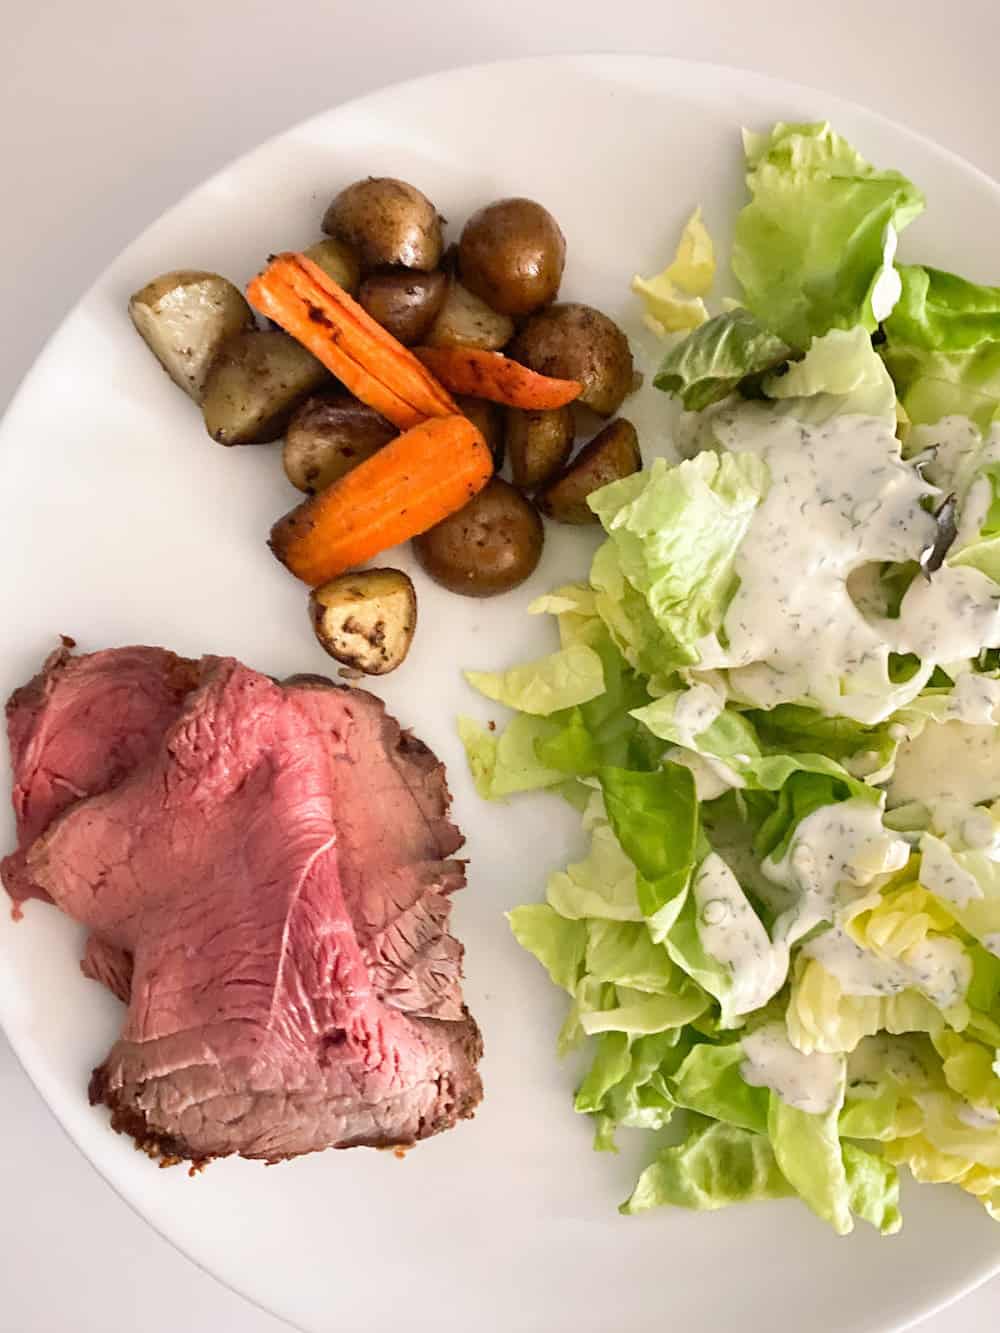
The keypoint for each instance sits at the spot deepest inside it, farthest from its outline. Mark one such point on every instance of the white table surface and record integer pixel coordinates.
(109, 111)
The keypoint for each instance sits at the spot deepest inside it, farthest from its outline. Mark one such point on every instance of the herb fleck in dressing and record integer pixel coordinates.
(840, 498)
(843, 844)
(813, 1083)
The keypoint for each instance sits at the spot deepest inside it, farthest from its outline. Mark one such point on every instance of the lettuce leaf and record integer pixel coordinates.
(942, 346)
(716, 1165)
(672, 299)
(716, 358)
(676, 531)
(655, 818)
(570, 676)
(810, 246)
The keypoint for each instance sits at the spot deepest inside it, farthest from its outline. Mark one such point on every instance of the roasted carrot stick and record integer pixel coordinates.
(413, 482)
(309, 305)
(492, 375)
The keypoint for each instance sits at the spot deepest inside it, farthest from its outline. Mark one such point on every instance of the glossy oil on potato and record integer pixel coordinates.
(489, 547)
(512, 254)
(254, 384)
(404, 302)
(388, 222)
(329, 436)
(576, 342)
(538, 444)
(612, 454)
(366, 620)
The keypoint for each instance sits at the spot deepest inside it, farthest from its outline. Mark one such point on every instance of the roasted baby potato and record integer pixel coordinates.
(366, 620)
(577, 342)
(388, 222)
(512, 254)
(339, 261)
(538, 444)
(488, 547)
(329, 436)
(254, 384)
(466, 321)
(404, 302)
(184, 317)
(487, 418)
(612, 454)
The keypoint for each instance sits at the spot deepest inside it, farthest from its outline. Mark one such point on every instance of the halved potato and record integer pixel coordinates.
(339, 261)
(610, 455)
(254, 384)
(466, 321)
(366, 620)
(327, 437)
(184, 317)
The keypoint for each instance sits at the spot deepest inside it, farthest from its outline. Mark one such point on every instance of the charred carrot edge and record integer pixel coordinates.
(413, 482)
(492, 375)
(319, 314)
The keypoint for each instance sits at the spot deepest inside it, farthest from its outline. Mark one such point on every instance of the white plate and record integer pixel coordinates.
(121, 522)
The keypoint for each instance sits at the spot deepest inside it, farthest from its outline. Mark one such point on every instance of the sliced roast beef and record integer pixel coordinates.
(266, 878)
(80, 726)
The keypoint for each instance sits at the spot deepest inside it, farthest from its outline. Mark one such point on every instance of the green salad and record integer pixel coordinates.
(775, 706)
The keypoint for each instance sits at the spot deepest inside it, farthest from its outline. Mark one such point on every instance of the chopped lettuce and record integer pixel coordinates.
(783, 940)
(716, 1165)
(675, 532)
(943, 346)
(673, 298)
(810, 246)
(710, 363)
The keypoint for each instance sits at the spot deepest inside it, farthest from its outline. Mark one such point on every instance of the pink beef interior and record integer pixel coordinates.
(265, 872)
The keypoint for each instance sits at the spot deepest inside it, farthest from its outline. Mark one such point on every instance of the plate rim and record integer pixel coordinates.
(749, 77)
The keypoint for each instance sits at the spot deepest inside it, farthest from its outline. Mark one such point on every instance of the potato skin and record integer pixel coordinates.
(388, 222)
(487, 417)
(254, 384)
(576, 342)
(511, 254)
(404, 302)
(613, 453)
(489, 547)
(538, 444)
(184, 317)
(328, 436)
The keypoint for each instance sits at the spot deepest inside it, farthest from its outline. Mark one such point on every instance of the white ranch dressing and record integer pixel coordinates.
(731, 933)
(842, 844)
(942, 875)
(840, 497)
(947, 761)
(813, 1083)
(937, 967)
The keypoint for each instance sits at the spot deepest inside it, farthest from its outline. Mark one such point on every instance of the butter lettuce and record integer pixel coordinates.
(676, 531)
(706, 366)
(810, 246)
(943, 346)
(816, 1003)
(672, 299)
